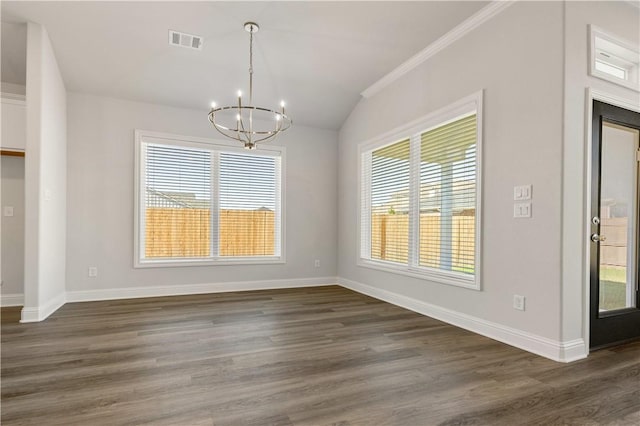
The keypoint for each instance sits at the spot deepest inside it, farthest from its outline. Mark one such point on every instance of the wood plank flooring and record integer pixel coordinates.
(312, 356)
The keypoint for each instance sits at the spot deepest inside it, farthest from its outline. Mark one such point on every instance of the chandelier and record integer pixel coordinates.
(249, 124)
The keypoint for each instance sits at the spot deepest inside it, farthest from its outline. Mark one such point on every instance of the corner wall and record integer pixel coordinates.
(101, 200)
(45, 180)
(517, 59)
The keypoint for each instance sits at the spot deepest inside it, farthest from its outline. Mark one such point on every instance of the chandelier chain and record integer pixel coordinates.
(251, 67)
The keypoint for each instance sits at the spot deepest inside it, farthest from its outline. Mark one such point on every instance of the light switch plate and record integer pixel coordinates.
(8, 211)
(522, 192)
(522, 210)
(518, 302)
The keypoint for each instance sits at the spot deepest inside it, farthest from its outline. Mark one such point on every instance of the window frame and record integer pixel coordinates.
(413, 132)
(146, 136)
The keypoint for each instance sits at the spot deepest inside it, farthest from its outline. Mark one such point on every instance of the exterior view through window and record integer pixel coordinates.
(419, 206)
(197, 204)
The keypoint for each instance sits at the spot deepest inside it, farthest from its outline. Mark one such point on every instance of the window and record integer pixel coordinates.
(420, 203)
(613, 59)
(199, 202)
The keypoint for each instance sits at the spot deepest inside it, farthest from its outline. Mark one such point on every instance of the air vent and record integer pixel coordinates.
(188, 41)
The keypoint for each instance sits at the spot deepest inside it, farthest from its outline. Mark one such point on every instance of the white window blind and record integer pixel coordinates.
(249, 190)
(177, 188)
(390, 202)
(419, 198)
(448, 196)
(207, 204)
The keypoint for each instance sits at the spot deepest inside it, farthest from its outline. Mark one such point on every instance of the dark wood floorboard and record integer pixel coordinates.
(312, 356)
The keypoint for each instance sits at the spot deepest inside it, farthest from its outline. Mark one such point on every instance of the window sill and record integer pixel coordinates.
(238, 261)
(450, 278)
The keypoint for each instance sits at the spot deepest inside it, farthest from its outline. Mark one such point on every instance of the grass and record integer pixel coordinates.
(613, 294)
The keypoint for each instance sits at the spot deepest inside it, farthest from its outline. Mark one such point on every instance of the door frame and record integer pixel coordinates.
(606, 97)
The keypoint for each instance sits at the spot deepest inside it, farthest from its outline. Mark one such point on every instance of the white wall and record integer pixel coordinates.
(45, 179)
(623, 20)
(101, 198)
(516, 57)
(12, 169)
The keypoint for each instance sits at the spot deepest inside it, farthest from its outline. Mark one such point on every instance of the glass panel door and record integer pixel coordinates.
(618, 216)
(614, 315)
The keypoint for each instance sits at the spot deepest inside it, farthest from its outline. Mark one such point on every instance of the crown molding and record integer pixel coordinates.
(468, 25)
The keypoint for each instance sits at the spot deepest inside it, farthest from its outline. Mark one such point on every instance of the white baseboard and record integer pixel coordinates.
(16, 299)
(41, 313)
(558, 351)
(178, 290)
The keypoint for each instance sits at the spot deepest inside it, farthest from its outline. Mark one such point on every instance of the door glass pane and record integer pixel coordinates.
(618, 214)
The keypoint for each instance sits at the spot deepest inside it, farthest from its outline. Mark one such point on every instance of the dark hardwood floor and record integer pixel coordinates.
(312, 356)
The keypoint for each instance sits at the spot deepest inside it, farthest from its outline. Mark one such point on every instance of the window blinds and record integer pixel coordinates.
(248, 199)
(448, 196)
(418, 199)
(208, 203)
(390, 202)
(177, 202)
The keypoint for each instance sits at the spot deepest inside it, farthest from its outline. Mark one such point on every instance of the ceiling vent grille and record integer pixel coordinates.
(188, 41)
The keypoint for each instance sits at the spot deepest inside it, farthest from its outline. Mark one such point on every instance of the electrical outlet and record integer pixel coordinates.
(8, 211)
(518, 302)
(93, 271)
(317, 263)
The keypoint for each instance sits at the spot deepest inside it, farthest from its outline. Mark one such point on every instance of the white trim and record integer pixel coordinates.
(13, 99)
(472, 104)
(207, 288)
(41, 313)
(591, 95)
(483, 15)
(214, 146)
(14, 299)
(558, 351)
(215, 261)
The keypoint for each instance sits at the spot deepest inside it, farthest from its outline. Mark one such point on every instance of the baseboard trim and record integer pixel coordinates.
(13, 299)
(186, 289)
(41, 313)
(558, 351)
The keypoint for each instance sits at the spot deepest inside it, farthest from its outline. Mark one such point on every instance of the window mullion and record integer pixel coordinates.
(414, 201)
(215, 205)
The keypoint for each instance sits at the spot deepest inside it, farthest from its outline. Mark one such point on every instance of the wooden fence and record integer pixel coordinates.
(389, 239)
(175, 232)
(613, 251)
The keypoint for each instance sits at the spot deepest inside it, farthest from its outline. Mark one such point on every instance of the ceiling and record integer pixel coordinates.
(318, 56)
